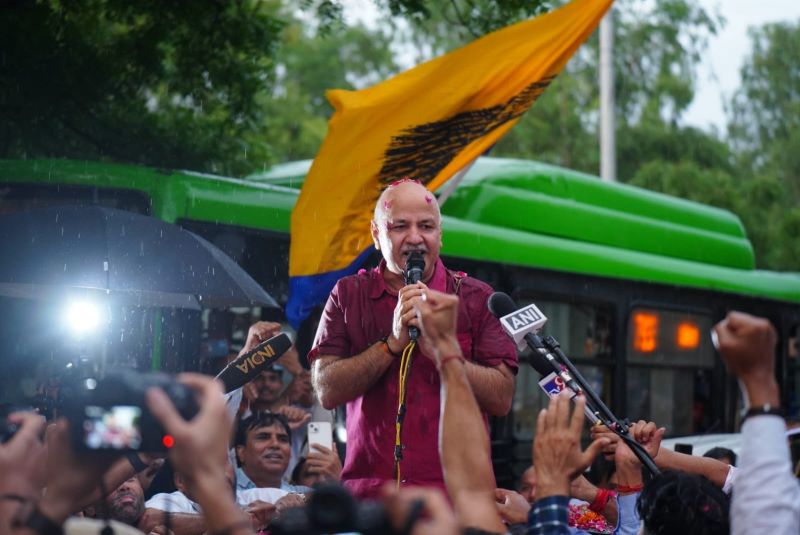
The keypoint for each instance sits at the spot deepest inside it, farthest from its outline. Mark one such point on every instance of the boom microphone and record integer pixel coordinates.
(415, 266)
(246, 367)
(522, 325)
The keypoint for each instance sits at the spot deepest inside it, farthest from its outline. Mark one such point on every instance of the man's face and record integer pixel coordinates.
(527, 485)
(126, 504)
(408, 220)
(266, 452)
(269, 385)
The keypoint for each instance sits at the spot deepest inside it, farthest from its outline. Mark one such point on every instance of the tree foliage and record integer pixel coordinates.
(163, 83)
(234, 86)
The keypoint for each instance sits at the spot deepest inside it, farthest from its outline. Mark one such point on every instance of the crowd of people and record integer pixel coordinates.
(420, 366)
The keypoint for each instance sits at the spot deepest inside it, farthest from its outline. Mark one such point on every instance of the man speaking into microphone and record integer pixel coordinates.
(364, 333)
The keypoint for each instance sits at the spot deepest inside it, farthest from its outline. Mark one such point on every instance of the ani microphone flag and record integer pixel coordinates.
(425, 123)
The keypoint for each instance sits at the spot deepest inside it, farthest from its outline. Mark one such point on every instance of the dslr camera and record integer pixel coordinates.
(331, 509)
(110, 414)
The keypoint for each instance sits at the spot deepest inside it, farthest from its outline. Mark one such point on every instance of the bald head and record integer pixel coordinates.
(405, 190)
(406, 220)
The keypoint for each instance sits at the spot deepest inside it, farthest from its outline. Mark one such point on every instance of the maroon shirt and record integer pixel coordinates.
(359, 313)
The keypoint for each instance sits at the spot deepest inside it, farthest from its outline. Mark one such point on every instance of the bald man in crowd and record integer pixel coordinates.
(364, 330)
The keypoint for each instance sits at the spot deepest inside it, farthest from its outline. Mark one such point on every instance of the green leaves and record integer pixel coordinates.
(162, 83)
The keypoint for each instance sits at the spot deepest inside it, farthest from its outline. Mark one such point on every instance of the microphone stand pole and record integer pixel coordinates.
(599, 408)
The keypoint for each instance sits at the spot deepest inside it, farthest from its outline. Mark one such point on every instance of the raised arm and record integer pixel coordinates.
(766, 495)
(466, 463)
(712, 469)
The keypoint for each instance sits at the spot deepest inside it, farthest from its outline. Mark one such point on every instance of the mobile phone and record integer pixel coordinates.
(684, 448)
(115, 427)
(320, 433)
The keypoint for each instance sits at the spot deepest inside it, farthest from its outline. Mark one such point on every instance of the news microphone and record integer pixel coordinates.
(415, 266)
(522, 325)
(246, 367)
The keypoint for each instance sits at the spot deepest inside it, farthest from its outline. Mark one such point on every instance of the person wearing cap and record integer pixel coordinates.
(363, 332)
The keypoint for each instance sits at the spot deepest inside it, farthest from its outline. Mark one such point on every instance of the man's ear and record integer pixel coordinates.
(239, 453)
(374, 230)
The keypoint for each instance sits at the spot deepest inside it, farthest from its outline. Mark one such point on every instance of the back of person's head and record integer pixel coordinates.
(680, 503)
(258, 420)
(722, 454)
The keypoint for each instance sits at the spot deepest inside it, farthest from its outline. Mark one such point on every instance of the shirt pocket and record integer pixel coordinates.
(465, 342)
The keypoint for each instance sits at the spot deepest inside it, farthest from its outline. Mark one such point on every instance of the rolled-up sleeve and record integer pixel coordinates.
(331, 338)
(492, 346)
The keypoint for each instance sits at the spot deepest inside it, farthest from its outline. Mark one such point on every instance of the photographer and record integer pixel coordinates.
(71, 479)
(22, 466)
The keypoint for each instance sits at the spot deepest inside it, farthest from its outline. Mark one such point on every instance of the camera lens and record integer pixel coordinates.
(331, 509)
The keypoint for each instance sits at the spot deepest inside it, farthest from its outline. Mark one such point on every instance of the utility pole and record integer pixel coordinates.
(608, 144)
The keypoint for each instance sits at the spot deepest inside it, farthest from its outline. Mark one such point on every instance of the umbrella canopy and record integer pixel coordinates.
(134, 259)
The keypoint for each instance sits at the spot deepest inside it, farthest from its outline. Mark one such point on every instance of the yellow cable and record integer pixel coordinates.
(405, 363)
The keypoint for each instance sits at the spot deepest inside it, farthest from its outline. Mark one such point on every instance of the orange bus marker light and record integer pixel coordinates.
(645, 332)
(688, 335)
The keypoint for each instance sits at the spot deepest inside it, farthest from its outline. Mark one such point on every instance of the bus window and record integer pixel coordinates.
(669, 374)
(584, 332)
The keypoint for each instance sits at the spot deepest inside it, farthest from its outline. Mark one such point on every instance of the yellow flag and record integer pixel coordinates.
(425, 123)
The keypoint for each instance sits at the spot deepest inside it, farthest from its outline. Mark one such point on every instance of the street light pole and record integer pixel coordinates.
(608, 146)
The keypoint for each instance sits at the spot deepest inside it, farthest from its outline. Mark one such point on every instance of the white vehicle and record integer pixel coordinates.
(733, 441)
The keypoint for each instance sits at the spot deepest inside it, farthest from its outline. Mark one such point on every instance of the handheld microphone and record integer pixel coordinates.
(246, 367)
(415, 266)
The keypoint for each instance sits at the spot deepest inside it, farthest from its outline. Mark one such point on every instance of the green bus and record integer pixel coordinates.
(631, 280)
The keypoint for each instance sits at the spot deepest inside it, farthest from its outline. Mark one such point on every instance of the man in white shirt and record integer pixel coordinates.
(260, 503)
(766, 495)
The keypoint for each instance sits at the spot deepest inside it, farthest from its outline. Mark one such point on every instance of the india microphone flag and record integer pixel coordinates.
(426, 124)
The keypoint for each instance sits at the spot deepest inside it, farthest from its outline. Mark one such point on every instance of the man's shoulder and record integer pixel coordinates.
(176, 502)
(362, 279)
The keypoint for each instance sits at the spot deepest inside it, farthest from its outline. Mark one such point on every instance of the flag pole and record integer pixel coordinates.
(453, 183)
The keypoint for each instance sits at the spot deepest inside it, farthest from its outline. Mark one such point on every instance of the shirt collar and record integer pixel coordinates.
(242, 481)
(378, 286)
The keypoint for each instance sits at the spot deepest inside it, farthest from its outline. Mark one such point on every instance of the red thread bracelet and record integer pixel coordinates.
(629, 489)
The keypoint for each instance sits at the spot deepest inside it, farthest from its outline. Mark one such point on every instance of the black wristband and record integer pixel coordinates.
(762, 410)
(138, 464)
(385, 342)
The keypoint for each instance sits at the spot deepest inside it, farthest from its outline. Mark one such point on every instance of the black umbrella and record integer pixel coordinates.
(134, 259)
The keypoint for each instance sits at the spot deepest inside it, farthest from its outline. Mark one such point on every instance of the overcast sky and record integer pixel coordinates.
(718, 76)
